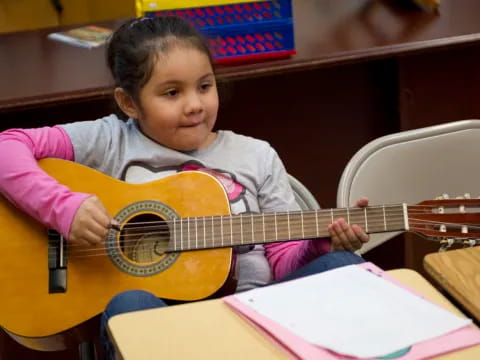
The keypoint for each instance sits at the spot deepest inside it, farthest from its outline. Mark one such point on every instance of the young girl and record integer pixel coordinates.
(165, 85)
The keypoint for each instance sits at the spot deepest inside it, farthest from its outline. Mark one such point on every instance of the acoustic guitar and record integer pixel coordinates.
(175, 239)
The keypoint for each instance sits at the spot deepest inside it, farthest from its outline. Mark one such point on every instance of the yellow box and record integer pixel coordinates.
(143, 6)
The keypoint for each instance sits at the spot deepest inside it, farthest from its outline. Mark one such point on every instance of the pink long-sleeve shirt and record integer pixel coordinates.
(42, 197)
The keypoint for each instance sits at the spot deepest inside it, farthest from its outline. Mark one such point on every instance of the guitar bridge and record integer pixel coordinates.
(57, 262)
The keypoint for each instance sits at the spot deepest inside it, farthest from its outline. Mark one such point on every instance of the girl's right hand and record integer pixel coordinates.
(90, 224)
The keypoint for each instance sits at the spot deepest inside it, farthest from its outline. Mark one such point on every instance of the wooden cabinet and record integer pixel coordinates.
(81, 11)
(19, 15)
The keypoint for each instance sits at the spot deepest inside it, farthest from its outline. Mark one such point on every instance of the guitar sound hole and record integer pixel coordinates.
(144, 238)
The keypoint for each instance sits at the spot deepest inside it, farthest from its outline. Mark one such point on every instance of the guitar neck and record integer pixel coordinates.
(247, 229)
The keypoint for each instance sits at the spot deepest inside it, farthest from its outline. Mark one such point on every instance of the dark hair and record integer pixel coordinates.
(132, 49)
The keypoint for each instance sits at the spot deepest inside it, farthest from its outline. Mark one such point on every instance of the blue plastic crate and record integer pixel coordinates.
(242, 31)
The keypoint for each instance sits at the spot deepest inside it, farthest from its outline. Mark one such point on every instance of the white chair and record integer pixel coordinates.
(412, 166)
(303, 196)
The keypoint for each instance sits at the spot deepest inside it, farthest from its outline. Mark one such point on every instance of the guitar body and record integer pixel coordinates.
(30, 310)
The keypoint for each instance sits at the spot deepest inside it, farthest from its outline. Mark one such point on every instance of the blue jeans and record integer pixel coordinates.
(141, 300)
(126, 301)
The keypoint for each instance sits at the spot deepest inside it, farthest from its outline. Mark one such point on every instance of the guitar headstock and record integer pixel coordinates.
(447, 220)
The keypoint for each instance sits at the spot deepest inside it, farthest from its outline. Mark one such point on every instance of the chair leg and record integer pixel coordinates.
(87, 351)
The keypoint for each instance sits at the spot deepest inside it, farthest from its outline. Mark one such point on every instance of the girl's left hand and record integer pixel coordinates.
(345, 236)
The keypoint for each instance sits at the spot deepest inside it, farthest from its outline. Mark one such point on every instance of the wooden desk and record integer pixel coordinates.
(457, 271)
(210, 330)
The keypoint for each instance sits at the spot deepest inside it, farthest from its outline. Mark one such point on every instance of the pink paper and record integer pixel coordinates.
(464, 337)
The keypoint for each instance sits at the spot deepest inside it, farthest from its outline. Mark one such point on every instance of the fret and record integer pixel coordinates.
(354, 216)
(310, 227)
(276, 227)
(271, 230)
(213, 232)
(231, 230)
(263, 222)
(200, 232)
(174, 234)
(246, 229)
(303, 228)
(253, 231)
(204, 233)
(257, 228)
(331, 214)
(236, 230)
(221, 228)
(188, 232)
(337, 213)
(288, 224)
(406, 224)
(393, 219)
(365, 216)
(181, 234)
(241, 229)
(293, 230)
(384, 219)
(196, 233)
(361, 217)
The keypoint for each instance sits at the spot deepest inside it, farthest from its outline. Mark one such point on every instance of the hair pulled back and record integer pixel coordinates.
(133, 48)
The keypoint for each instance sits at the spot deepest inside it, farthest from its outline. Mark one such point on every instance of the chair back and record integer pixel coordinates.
(303, 196)
(414, 165)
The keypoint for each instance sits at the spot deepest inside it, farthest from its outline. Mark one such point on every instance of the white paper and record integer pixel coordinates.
(352, 311)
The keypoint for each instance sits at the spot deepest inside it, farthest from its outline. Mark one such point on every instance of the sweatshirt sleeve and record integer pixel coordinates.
(27, 186)
(286, 257)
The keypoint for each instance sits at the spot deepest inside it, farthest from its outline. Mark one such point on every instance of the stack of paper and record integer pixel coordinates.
(351, 312)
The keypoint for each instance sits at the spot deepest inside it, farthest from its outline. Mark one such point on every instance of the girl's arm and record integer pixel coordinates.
(27, 186)
(284, 258)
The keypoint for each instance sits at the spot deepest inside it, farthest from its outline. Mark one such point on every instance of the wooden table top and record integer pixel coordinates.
(458, 272)
(213, 331)
(35, 71)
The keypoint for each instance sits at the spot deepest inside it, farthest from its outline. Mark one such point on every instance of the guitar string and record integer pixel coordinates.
(294, 223)
(84, 250)
(231, 218)
(164, 229)
(309, 224)
(320, 214)
(148, 251)
(266, 216)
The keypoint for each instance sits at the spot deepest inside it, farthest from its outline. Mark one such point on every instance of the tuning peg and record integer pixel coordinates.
(445, 196)
(470, 242)
(441, 209)
(446, 244)
(467, 196)
(461, 208)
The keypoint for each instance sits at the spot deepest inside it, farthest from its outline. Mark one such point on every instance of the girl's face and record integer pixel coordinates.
(179, 103)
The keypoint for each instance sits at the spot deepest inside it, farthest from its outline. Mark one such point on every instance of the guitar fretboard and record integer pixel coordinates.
(246, 229)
